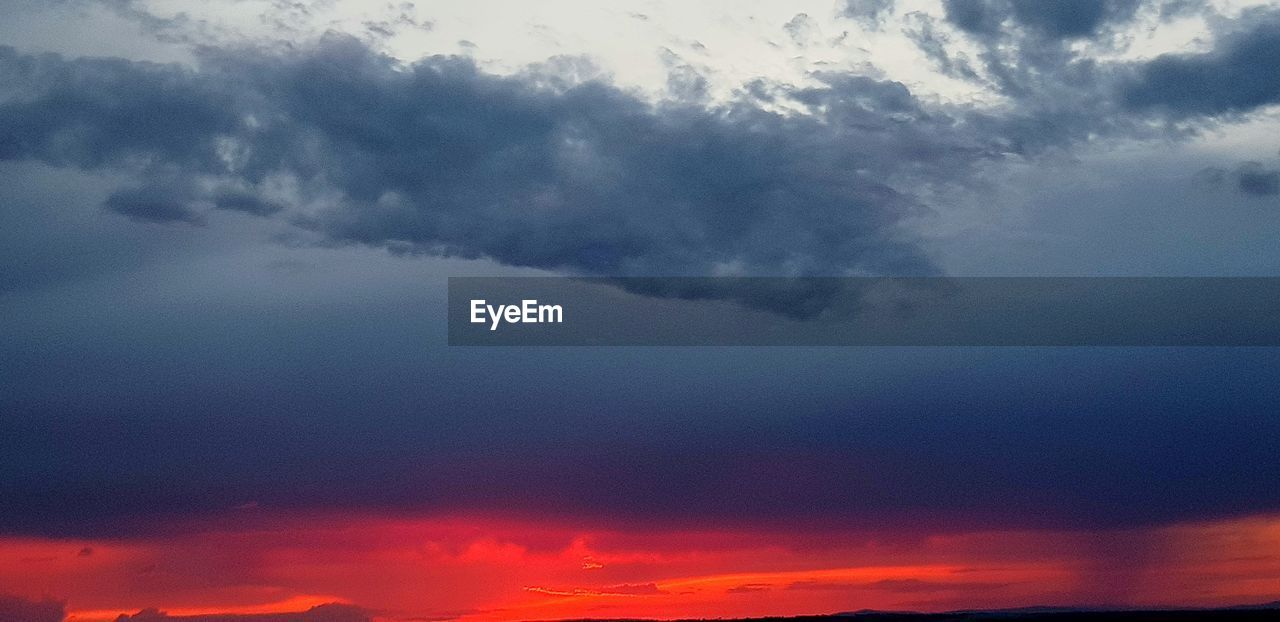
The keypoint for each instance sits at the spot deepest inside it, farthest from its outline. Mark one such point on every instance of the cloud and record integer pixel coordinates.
(626, 589)
(15, 609)
(869, 12)
(1061, 95)
(546, 169)
(320, 613)
(92, 113)
(1237, 76)
(1253, 179)
(441, 158)
(924, 32)
(801, 28)
(154, 203)
(1250, 178)
(977, 17)
(1065, 19)
(1062, 19)
(901, 586)
(1028, 52)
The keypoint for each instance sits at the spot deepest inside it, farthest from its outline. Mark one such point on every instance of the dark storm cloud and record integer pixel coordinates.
(977, 17)
(1027, 49)
(441, 158)
(1060, 97)
(541, 170)
(444, 159)
(1064, 19)
(1061, 19)
(1237, 76)
(95, 113)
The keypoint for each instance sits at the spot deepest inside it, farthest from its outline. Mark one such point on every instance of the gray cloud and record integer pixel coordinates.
(976, 17)
(1237, 76)
(1252, 178)
(1060, 97)
(869, 12)
(801, 28)
(156, 202)
(551, 170)
(924, 32)
(533, 170)
(1026, 49)
(1062, 19)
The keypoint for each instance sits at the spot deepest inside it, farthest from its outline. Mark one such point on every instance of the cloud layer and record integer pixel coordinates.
(545, 170)
(440, 158)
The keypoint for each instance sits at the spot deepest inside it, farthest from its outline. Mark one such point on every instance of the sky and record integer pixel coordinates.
(226, 230)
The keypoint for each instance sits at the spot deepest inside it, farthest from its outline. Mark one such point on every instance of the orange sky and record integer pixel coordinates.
(491, 569)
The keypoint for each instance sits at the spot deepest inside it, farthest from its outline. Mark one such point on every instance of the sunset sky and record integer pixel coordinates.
(226, 229)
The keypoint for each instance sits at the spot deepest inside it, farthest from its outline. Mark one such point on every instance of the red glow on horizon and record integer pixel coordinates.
(485, 569)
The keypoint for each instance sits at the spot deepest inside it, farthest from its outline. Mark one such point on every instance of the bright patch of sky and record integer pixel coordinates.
(638, 44)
